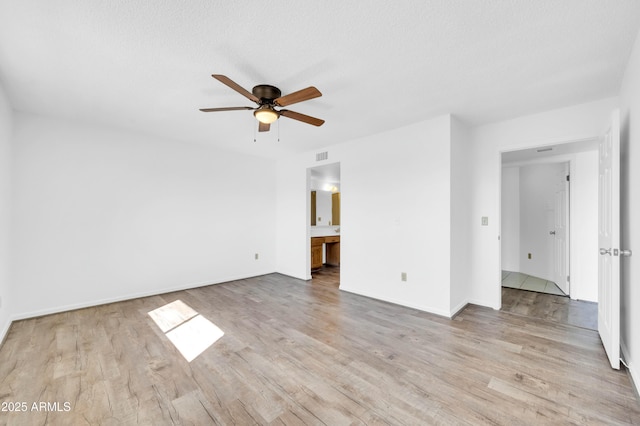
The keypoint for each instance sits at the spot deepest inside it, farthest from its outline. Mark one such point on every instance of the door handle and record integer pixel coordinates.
(626, 253)
(605, 251)
(552, 232)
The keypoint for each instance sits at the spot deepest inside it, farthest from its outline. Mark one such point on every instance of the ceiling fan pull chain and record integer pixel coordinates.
(278, 130)
(254, 133)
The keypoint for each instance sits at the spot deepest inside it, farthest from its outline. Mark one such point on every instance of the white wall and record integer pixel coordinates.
(395, 215)
(510, 219)
(630, 212)
(398, 220)
(293, 201)
(6, 124)
(461, 221)
(574, 123)
(103, 215)
(537, 206)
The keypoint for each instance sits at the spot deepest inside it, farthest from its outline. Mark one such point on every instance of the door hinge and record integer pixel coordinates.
(568, 278)
(568, 179)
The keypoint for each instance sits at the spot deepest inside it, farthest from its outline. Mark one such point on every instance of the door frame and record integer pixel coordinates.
(308, 210)
(560, 158)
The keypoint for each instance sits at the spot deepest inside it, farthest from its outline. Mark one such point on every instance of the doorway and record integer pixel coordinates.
(551, 235)
(535, 227)
(324, 224)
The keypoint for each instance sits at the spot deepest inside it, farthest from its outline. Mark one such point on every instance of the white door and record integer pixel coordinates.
(560, 230)
(609, 240)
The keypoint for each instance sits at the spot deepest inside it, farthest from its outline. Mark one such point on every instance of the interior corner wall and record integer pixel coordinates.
(461, 221)
(395, 214)
(630, 212)
(579, 122)
(6, 125)
(102, 215)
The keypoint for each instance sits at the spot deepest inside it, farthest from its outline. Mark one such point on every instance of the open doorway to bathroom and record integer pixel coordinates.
(324, 224)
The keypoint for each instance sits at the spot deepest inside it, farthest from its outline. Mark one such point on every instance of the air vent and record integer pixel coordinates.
(322, 156)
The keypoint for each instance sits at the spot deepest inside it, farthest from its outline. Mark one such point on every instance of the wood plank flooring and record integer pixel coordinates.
(550, 307)
(327, 275)
(297, 353)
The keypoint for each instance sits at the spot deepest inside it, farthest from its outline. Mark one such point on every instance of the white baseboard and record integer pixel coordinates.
(455, 311)
(633, 369)
(483, 303)
(428, 309)
(130, 296)
(5, 330)
(305, 278)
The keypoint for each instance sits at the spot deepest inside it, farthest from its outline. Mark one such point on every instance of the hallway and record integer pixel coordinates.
(527, 282)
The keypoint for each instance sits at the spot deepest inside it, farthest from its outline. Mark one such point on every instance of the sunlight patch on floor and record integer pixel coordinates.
(190, 332)
(172, 315)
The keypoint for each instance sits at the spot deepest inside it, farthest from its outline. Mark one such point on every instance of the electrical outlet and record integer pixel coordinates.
(403, 276)
(257, 256)
(485, 221)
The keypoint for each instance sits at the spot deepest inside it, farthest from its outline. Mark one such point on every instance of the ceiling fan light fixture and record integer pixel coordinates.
(266, 115)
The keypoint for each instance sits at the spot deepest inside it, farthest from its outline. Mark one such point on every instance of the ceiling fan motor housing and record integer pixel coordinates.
(266, 93)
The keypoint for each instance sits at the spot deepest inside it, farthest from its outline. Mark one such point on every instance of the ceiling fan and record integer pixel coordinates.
(268, 98)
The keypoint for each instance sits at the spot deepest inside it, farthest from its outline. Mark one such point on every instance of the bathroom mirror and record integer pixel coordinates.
(325, 208)
(325, 195)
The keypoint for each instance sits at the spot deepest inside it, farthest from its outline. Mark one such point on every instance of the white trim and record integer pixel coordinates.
(633, 372)
(428, 309)
(5, 331)
(82, 305)
(455, 311)
(483, 303)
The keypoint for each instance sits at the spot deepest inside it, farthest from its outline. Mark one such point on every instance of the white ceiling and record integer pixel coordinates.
(146, 65)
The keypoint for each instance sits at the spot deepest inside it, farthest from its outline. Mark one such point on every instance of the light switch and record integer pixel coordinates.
(485, 221)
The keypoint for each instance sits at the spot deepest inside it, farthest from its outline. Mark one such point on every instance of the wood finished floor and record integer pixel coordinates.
(550, 307)
(327, 275)
(297, 353)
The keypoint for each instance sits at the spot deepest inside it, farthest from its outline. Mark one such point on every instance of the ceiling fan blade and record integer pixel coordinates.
(235, 86)
(263, 127)
(299, 96)
(301, 117)
(224, 109)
